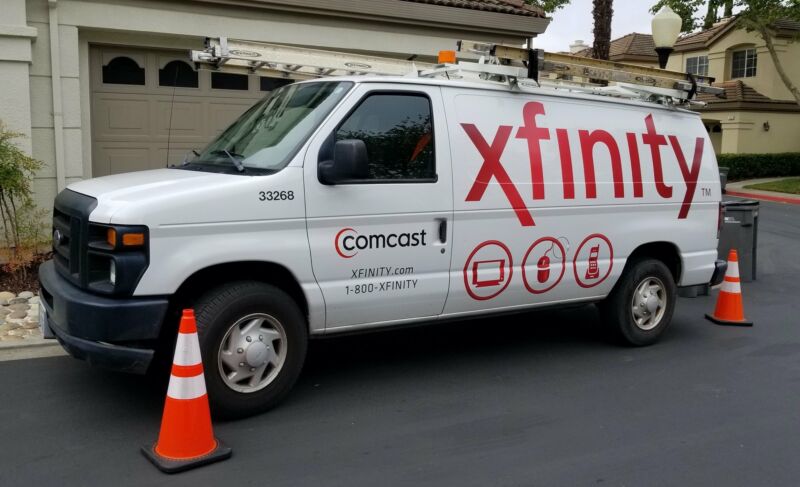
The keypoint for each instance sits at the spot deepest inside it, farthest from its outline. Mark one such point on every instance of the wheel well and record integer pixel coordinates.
(268, 272)
(665, 252)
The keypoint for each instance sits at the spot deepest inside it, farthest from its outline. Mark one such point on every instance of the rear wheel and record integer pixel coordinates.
(253, 340)
(640, 307)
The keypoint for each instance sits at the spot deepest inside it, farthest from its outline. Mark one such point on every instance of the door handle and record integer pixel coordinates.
(443, 230)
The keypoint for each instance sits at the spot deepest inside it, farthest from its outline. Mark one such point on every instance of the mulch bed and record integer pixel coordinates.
(23, 278)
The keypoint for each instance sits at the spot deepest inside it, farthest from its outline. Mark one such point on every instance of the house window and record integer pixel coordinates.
(743, 63)
(179, 74)
(697, 65)
(398, 132)
(123, 71)
(229, 81)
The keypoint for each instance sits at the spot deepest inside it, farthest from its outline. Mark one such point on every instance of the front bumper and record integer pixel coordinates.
(109, 332)
(720, 268)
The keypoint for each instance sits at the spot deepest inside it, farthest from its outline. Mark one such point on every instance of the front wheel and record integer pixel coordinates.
(253, 341)
(640, 307)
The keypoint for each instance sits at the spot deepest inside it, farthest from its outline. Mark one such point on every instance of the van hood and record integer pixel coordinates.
(129, 189)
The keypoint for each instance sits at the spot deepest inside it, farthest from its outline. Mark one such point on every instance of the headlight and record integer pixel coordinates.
(117, 257)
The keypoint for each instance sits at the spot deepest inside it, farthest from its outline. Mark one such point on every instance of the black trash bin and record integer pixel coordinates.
(740, 232)
(723, 177)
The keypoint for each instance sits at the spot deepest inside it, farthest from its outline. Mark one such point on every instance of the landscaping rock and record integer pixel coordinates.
(17, 315)
(19, 307)
(17, 301)
(25, 295)
(16, 333)
(4, 311)
(4, 328)
(7, 296)
(33, 300)
(10, 338)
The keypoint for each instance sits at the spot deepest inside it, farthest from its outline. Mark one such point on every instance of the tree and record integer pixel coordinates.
(549, 6)
(602, 11)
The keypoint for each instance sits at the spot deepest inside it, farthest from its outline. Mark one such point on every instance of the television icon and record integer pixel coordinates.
(487, 273)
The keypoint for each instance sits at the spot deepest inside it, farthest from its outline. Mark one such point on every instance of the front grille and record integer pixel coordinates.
(71, 235)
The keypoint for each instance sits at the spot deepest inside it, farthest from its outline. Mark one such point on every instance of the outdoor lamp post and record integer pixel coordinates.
(666, 28)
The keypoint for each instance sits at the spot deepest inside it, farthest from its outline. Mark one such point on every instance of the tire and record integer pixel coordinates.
(249, 326)
(642, 322)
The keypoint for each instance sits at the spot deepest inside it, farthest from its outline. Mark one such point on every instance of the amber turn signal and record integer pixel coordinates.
(447, 57)
(132, 239)
(111, 237)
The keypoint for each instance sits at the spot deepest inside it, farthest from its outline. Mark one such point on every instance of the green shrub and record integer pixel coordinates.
(752, 166)
(21, 225)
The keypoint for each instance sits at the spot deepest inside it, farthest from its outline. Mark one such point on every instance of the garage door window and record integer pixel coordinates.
(178, 74)
(229, 81)
(269, 84)
(123, 71)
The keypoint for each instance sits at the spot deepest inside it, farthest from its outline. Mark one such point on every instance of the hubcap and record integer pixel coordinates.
(649, 303)
(252, 353)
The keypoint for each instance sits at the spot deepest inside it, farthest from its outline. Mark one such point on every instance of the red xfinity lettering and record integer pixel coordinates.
(492, 167)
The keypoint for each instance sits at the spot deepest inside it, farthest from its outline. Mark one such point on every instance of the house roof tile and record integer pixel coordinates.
(512, 7)
(739, 96)
(633, 44)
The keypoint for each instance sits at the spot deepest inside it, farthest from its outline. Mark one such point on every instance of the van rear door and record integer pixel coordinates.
(380, 243)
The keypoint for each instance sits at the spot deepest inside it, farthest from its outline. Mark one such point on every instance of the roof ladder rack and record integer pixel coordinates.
(296, 62)
(518, 68)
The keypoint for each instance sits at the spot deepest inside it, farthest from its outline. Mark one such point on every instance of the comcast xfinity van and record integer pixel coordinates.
(363, 202)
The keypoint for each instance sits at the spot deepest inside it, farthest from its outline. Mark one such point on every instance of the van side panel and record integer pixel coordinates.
(552, 194)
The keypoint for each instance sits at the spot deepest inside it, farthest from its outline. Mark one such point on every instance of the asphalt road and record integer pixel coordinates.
(540, 399)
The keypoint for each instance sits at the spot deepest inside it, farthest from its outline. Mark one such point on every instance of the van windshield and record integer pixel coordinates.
(268, 135)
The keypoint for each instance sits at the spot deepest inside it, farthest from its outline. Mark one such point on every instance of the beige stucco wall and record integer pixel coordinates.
(743, 132)
(60, 126)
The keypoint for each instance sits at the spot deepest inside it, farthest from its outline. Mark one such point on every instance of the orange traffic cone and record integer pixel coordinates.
(186, 439)
(729, 310)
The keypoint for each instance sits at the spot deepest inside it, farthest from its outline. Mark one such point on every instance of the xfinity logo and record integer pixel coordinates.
(348, 242)
(57, 238)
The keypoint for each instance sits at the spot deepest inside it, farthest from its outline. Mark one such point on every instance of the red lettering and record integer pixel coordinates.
(655, 140)
(588, 141)
(566, 163)
(493, 168)
(534, 134)
(689, 175)
(636, 167)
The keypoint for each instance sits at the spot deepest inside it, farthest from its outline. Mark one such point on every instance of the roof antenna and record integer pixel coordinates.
(171, 108)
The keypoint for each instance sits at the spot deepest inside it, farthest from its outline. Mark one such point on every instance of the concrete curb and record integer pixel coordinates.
(738, 189)
(766, 197)
(24, 349)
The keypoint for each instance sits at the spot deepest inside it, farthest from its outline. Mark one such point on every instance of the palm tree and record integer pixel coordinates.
(602, 11)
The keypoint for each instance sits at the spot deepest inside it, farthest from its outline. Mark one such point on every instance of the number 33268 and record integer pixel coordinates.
(275, 195)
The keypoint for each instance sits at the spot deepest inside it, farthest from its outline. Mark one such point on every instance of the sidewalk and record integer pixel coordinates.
(738, 189)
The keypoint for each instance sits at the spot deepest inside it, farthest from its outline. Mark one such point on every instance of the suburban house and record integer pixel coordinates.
(99, 87)
(759, 114)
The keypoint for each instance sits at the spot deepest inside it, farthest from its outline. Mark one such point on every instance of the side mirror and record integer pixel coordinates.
(350, 162)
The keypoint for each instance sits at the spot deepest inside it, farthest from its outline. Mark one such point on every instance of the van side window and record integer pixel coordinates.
(398, 132)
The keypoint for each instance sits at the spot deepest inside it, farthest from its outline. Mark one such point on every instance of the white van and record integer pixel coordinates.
(354, 203)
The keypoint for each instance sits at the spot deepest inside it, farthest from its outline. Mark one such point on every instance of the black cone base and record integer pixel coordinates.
(728, 323)
(169, 465)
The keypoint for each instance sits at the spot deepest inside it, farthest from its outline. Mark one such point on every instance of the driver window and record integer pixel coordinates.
(398, 132)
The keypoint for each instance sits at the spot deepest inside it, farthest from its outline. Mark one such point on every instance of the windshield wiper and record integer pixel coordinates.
(186, 157)
(233, 158)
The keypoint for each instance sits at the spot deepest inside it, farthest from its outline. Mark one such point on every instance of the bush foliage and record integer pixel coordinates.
(752, 166)
(21, 224)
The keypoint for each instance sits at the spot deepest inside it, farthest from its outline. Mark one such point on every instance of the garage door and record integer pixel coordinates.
(150, 107)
